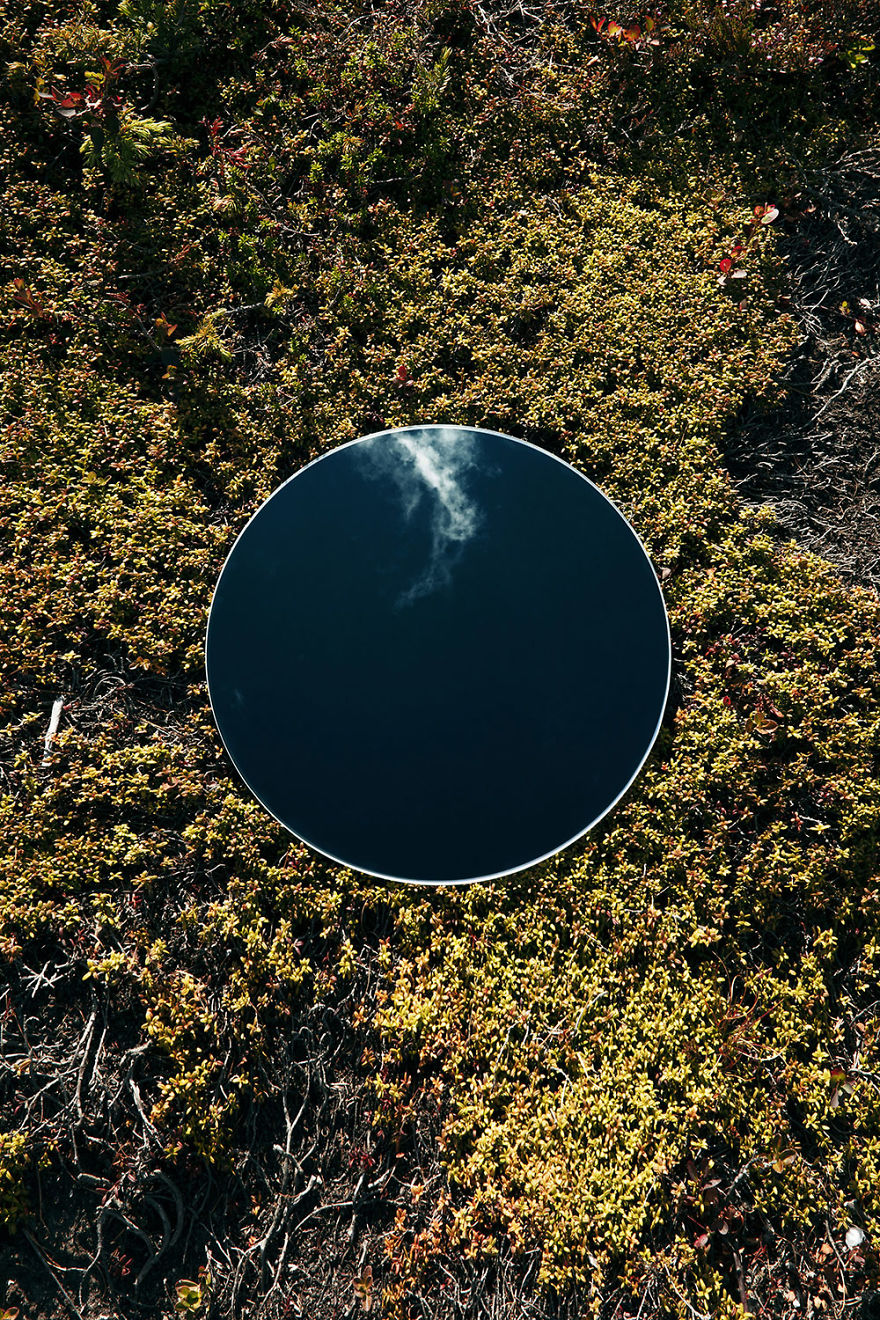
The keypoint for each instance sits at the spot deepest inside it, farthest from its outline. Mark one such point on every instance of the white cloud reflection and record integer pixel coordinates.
(429, 465)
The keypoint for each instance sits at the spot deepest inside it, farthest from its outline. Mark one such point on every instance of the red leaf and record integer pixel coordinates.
(26, 298)
(724, 265)
(69, 105)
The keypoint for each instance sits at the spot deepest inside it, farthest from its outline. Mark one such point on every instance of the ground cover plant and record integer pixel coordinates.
(640, 1079)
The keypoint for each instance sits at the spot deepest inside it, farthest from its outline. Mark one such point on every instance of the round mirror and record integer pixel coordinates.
(438, 654)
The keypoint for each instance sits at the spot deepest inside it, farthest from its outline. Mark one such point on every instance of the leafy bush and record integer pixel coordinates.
(14, 1162)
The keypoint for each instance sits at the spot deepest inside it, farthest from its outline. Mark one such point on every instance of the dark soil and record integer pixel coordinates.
(816, 461)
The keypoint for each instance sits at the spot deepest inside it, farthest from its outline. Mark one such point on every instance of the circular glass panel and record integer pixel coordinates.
(438, 654)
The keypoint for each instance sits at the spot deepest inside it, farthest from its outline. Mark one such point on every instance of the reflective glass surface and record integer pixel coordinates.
(438, 654)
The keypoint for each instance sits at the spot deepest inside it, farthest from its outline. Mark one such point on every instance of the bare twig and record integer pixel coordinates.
(54, 721)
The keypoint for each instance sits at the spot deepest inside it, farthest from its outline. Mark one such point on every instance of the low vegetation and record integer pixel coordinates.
(641, 1078)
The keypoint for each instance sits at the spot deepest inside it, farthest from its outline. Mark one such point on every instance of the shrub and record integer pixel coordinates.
(14, 1164)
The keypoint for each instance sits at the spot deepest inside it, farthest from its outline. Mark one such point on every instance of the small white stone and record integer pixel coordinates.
(854, 1237)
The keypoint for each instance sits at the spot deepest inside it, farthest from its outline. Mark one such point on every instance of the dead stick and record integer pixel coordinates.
(54, 721)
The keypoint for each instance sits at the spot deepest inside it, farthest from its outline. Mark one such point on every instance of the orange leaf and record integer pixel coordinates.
(363, 1288)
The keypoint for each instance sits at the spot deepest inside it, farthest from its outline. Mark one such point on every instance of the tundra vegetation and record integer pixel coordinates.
(641, 1078)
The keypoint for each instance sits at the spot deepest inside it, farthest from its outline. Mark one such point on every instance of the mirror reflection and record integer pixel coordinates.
(438, 654)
